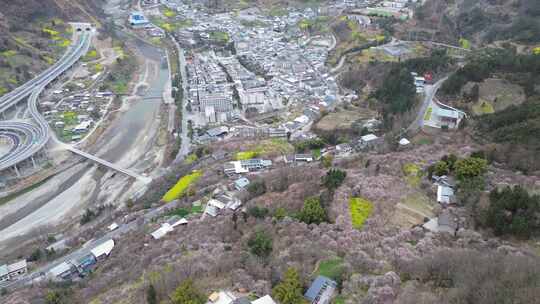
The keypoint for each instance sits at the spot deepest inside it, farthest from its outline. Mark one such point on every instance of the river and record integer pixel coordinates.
(129, 141)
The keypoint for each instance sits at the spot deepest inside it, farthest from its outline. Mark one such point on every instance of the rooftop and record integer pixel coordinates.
(3, 270)
(318, 286)
(17, 266)
(60, 269)
(104, 248)
(448, 113)
(264, 300)
(241, 183)
(369, 137)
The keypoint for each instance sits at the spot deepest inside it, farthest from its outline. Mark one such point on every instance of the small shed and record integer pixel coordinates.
(162, 231)
(264, 300)
(404, 142)
(103, 250)
(241, 183)
(445, 194)
(63, 270)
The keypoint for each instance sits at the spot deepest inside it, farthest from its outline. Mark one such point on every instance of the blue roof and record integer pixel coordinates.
(242, 182)
(137, 18)
(315, 288)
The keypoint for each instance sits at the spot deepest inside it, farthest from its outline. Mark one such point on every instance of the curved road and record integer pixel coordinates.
(31, 138)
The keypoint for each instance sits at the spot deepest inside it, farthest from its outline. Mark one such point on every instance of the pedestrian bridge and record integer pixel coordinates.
(110, 165)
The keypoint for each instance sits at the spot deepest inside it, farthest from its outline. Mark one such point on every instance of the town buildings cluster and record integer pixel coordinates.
(72, 115)
(246, 64)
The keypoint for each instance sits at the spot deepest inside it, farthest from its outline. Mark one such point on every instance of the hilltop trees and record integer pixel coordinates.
(334, 178)
(260, 244)
(470, 167)
(187, 293)
(289, 290)
(312, 212)
(513, 211)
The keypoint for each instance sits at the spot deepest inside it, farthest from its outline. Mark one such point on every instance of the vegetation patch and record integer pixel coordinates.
(96, 68)
(219, 36)
(70, 118)
(331, 268)
(413, 174)
(360, 210)
(172, 25)
(10, 197)
(190, 159)
(8, 53)
(266, 147)
(169, 13)
(245, 155)
(181, 186)
(274, 146)
(64, 43)
(277, 11)
(50, 32)
(420, 202)
(183, 212)
(91, 55)
(466, 44)
(427, 116)
(483, 107)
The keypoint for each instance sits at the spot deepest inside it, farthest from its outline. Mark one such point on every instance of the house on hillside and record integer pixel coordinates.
(103, 250)
(138, 20)
(85, 264)
(245, 166)
(321, 290)
(64, 271)
(369, 141)
(448, 117)
(445, 195)
(13, 271)
(241, 183)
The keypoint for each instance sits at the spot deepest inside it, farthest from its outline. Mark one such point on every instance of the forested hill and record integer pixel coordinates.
(478, 21)
(33, 33)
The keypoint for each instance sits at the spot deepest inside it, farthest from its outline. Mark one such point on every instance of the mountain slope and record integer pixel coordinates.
(34, 35)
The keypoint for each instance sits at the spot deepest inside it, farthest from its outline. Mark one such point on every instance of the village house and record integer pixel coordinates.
(321, 290)
(12, 271)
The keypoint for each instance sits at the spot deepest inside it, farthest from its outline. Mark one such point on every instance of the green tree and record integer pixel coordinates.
(334, 178)
(513, 211)
(312, 212)
(327, 160)
(258, 212)
(187, 293)
(151, 295)
(470, 168)
(441, 168)
(59, 296)
(280, 213)
(257, 187)
(450, 160)
(289, 290)
(260, 244)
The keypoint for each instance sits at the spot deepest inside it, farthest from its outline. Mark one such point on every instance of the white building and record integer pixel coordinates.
(103, 250)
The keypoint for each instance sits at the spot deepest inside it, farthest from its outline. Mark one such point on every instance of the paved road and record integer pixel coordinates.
(33, 137)
(430, 92)
(40, 272)
(184, 135)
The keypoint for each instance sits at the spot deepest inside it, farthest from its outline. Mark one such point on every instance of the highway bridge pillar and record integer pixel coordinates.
(17, 171)
(33, 161)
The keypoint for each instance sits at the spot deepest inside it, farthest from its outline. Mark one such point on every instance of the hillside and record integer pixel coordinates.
(478, 21)
(33, 36)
